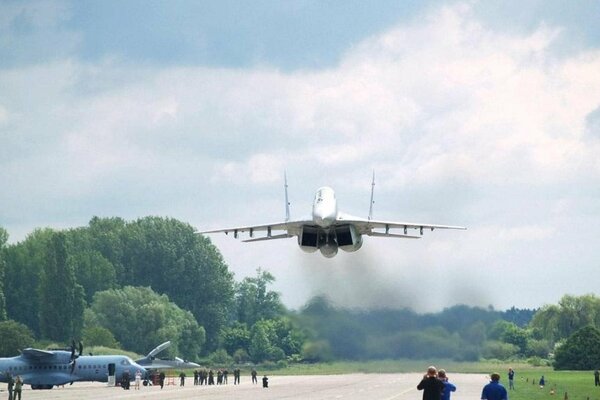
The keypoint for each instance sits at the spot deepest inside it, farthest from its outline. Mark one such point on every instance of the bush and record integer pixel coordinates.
(499, 350)
(317, 351)
(14, 336)
(581, 351)
(99, 336)
(220, 357)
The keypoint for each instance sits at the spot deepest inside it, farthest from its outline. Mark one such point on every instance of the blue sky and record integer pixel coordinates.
(484, 114)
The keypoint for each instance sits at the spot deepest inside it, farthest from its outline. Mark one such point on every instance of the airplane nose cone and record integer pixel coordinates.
(324, 221)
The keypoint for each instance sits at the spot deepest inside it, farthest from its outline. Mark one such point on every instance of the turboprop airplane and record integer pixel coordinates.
(150, 362)
(329, 229)
(43, 369)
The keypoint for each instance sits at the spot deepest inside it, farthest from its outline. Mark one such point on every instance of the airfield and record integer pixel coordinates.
(321, 387)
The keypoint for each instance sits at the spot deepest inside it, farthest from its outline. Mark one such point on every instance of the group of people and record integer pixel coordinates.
(15, 386)
(204, 377)
(435, 386)
(207, 377)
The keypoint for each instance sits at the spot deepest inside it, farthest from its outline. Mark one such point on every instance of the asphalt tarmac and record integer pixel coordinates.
(310, 387)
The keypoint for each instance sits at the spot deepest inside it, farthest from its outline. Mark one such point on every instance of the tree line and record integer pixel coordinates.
(136, 284)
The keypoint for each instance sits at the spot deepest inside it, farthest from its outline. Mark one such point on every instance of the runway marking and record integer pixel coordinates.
(400, 394)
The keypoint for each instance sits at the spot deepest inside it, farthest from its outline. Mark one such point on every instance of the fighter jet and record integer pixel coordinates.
(329, 229)
(150, 362)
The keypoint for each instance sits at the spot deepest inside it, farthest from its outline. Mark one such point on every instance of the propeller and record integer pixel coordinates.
(75, 353)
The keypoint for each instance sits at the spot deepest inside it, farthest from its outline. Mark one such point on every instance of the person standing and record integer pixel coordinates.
(236, 376)
(138, 379)
(511, 379)
(253, 373)
(265, 381)
(182, 379)
(431, 386)
(494, 390)
(448, 387)
(161, 379)
(596, 378)
(18, 388)
(10, 386)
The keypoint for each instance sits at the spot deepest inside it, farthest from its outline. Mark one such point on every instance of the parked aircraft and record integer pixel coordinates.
(43, 369)
(150, 362)
(329, 229)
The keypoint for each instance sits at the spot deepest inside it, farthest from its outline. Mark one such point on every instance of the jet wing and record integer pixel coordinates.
(158, 349)
(292, 228)
(382, 228)
(168, 364)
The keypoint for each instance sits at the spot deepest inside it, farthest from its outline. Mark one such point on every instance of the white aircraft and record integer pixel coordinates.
(329, 229)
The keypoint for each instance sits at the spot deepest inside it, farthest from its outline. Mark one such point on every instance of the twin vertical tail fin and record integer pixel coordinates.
(372, 201)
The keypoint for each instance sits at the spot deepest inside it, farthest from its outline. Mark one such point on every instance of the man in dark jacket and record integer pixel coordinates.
(431, 386)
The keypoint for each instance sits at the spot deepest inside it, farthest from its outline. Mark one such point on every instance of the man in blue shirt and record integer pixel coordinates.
(448, 387)
(494, 390)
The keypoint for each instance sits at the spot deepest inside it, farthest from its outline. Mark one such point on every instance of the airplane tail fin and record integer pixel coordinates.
(287, 202)
(372, 201)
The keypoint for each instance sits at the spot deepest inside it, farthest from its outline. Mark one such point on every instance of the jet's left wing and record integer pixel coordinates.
(291, 228)
(383, 228)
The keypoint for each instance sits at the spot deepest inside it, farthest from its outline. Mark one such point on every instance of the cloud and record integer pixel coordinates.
(463, 125)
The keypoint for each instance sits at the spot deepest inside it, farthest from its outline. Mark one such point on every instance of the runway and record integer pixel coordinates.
(309, 387)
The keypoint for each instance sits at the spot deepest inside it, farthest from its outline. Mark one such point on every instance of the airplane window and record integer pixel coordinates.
(124, 362)
(30, 367)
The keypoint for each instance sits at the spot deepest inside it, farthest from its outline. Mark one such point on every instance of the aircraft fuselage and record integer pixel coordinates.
(58, 369)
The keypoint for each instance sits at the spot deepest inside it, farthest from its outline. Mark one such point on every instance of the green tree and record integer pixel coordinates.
(254, 302)
(99, 336)
(235, 337)
(581, 351)
(517, 336)
(494, 349)
(557, 322)
(140, 319)
(61, 298)
(170, 257)
(94, 272)
(14, 337)
(24, 263)
(260, 345)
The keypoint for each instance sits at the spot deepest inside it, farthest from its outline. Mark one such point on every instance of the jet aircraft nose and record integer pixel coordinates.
(324, 221)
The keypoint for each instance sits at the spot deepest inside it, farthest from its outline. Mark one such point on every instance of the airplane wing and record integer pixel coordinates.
(158, 349)
(292, 228)
(36, 354)
(168, 364)
(382, 228)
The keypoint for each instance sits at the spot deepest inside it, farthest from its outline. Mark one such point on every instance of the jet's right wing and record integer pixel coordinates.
(380, 228)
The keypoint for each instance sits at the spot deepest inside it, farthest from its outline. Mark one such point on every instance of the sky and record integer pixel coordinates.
(482, 114)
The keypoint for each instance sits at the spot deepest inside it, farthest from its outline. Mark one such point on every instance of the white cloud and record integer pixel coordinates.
(486, 129)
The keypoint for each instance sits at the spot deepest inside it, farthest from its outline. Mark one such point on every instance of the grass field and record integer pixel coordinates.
(578, 385)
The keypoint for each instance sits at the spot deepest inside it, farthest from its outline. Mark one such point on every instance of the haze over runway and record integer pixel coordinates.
(322, 387)
(484, 114)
